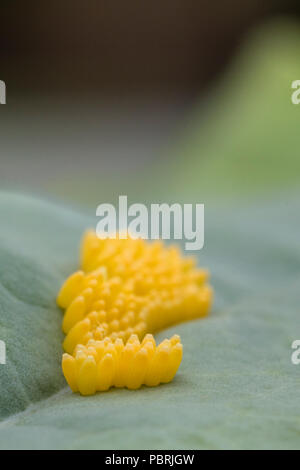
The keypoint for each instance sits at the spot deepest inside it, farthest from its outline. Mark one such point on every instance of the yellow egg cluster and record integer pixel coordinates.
(100, 365)
(128, 287)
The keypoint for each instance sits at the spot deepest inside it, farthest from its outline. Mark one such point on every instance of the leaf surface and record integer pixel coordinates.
(236, 386)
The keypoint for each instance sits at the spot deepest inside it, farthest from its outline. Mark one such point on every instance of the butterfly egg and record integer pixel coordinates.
(70, 289)
(140, 329)
(174, 340)
(150, 348)
(80, 357)
(74, 313)
(133, 339)
(100, 348)
(87, 376)
(94, 319)
(99, 276)
(89, 297)
(137, 370)
(147, 315)
(92, 284)
(166, 343)
(99, 329)
(124, 322)
(76, 335)
(79, 348)
(99, 333)
(148, 338)
(119, 304)
(124, 365)
(128, 332)
(102, 316)
(114, 326)
(174, 362)
(91, 351)
(99, 305)
(110, 349)
(90, 244)
(114, 335)
(89, 335)
(113, 314)
(105, 372)
(165, 363)
(119, 346)
(200, 276)
(157, 367)
(69, 371)
(115, 284)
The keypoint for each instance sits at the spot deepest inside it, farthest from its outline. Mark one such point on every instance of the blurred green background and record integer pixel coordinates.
(156, 103)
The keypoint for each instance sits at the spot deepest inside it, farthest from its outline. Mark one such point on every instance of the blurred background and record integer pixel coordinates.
(141, 98)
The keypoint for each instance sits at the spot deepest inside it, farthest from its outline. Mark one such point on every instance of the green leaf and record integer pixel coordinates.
(236, 387)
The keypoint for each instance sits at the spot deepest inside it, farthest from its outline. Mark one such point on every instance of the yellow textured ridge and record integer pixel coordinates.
(99, 365)
(126, 289)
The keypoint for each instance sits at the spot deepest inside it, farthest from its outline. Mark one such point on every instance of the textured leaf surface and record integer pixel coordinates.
(236, 386)
(246, 140)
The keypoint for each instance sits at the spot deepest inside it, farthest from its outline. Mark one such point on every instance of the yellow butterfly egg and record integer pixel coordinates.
(127, 290)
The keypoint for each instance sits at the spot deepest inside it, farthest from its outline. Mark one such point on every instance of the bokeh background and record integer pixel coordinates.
(139, 98)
